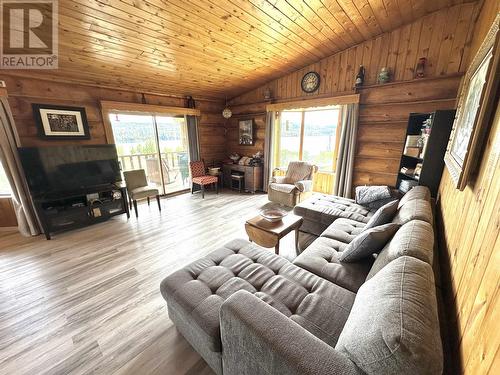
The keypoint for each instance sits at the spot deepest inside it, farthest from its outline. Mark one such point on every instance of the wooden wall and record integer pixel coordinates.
(24, 91)
(443, 37)
(7, 214)
(469, 223)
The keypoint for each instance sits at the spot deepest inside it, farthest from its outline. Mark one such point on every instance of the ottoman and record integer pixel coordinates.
(196, 293)
(321, 210)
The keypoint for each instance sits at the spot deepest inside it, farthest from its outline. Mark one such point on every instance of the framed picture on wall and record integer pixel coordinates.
(476, 102)
(245, 128)
(59, 122)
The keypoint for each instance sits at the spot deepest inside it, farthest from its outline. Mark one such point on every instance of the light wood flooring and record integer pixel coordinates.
(88, 301)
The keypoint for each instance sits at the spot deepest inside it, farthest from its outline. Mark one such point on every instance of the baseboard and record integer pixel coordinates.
(7, 229)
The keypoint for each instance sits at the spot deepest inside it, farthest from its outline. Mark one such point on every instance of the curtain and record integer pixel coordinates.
(9, 157)
(193, 139)
(268, 149)
(347, 148)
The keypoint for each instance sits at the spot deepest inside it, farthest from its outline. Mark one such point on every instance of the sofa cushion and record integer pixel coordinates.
(415, 238)
(197, 291)
(417, 192)
(368, 242)
(393, 327)
(321, 210)
(383, 215)
(322, 258)
(415, 209)
(343, 230)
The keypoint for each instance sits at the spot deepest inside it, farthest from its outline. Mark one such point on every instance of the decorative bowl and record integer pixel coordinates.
(273, 215)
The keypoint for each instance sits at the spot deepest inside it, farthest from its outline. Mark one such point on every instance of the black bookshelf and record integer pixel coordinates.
(422, 159)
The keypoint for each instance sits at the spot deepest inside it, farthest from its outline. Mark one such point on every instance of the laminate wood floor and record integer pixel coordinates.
(88, 301)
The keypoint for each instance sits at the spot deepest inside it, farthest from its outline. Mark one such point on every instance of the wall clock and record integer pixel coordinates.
(310, 82)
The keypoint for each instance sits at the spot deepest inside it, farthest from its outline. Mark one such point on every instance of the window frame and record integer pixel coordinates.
(277, 136)
(2, 194)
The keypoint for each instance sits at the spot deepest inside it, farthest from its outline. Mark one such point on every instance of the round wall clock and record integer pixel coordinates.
(310, 82)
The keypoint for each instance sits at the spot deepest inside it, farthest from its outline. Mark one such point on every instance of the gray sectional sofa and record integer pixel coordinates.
(249, 311)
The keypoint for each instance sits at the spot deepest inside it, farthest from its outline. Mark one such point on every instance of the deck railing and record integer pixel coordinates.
(175, 166)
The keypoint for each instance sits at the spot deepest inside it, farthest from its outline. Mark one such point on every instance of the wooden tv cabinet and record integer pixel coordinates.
(60, 212)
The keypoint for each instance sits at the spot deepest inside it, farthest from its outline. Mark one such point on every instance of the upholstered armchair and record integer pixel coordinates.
(295, 186)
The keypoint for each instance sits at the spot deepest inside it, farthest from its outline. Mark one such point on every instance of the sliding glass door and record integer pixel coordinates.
(173, 145)
(157, 144)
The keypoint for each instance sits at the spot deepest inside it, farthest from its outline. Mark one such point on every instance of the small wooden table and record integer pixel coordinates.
(267, 234)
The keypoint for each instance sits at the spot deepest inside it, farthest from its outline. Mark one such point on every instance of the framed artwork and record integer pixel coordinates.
(245, 128)
(476, 102)
(58, 122)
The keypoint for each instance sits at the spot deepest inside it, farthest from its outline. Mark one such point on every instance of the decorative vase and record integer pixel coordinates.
(267, 94)
(360, 77)
(384, 76)
(420, 69)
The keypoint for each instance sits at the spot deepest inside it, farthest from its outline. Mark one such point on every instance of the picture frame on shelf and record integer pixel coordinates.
(478, 95)
(245, 132)
(61, 122)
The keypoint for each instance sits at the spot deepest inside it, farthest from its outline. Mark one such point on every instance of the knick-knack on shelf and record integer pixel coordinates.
(360, 77)
(420, 69)
(268, 94)
(384, 76)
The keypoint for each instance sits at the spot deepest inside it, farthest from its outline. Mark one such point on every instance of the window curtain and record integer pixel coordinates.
(347, 148)
(9, 157)
(269, 148)
(193, 139)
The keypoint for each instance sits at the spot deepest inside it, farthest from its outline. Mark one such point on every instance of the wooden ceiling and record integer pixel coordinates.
(213, 48)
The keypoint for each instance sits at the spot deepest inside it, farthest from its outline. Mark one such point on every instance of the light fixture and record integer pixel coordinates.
(226, 112)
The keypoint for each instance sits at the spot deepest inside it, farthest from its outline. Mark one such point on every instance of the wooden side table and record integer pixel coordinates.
(267, 234)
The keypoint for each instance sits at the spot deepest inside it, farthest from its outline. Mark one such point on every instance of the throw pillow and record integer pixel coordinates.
(383, 215)
(368, 242)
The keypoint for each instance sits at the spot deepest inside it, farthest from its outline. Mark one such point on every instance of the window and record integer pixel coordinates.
(4, 183)
(309, 135)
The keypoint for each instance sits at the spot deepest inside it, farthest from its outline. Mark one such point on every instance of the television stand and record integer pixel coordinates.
(71, 210)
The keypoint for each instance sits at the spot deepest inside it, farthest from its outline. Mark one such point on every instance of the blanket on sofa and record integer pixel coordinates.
(370, 194)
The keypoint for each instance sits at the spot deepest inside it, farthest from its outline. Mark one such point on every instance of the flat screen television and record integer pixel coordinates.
(65, 169)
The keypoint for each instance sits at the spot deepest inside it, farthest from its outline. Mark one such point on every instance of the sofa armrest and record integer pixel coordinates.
(279, 179)
(304, 185)
(258, 339)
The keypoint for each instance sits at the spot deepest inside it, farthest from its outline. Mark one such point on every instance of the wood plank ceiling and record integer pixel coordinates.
(213, 48)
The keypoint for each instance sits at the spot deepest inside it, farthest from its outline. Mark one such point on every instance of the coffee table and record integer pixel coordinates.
(267, 234)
